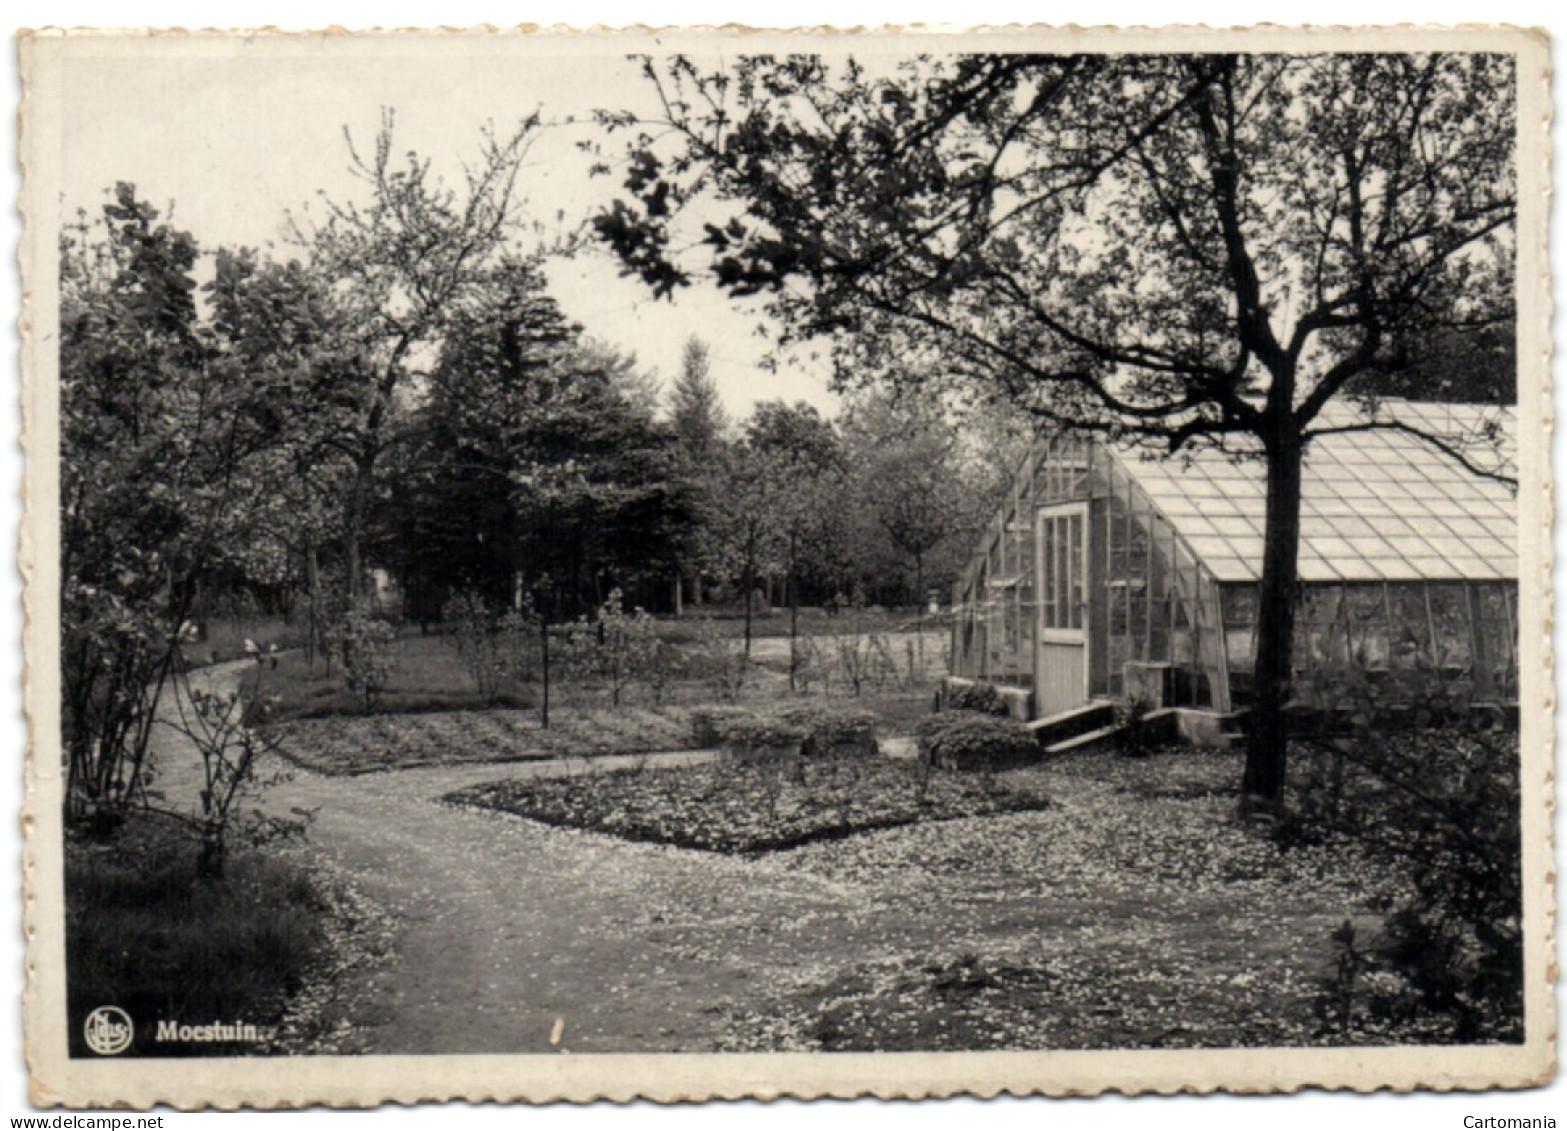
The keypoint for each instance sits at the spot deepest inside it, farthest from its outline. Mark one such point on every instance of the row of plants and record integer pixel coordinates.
(811, 729)
(617, 650)
(853, 660)
(625, 653)
(512, 657)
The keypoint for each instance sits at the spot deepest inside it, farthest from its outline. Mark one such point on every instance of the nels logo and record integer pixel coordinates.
(108, 1030)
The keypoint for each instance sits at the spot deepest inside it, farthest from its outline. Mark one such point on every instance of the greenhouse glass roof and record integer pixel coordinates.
(1379, 505)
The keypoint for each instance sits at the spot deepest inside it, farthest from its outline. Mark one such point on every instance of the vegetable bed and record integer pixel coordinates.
(752, 807)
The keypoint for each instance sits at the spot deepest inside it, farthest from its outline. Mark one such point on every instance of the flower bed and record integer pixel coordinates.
(751, 807)
(365, 744)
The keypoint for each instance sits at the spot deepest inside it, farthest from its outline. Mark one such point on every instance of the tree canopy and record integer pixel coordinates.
(402, 267)
(170, 431)
(537, 455)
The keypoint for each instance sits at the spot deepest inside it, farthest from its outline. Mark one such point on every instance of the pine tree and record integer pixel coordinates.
(697, 415)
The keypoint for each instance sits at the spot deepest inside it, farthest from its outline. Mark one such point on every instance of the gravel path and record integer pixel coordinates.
(516, 937)
(509, 936)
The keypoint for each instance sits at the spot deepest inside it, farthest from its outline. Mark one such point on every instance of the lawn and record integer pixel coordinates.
(1136, 911)
(774, 623)
(750, 807)
(225, 638)
(426, 675)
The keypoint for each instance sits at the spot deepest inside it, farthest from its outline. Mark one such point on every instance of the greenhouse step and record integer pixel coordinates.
(1069, 724)
(1082, 743)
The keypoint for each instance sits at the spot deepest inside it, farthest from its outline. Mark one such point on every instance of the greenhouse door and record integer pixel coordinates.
(1060, 574)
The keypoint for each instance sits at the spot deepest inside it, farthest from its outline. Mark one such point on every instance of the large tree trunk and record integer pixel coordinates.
(1267, 746)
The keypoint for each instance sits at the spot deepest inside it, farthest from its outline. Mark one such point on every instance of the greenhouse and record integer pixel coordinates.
(1115, 574)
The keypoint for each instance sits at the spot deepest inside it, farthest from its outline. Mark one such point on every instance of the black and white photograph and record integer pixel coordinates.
(676, 565)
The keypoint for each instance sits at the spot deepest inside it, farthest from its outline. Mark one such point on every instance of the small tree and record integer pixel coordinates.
(365, 643)
(906, 464)
(1440, 805)
(696, 413)
(221, 726)
(518, 634)
(167, 432)
(699, 423)
(404, 264)
(743, 531)
(480, 644)
(576, 658)
(863, 657)
(720, 661)
(627, 645)
(801, 461)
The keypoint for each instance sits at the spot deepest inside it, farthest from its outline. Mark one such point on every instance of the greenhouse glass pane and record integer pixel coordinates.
(1359, 490)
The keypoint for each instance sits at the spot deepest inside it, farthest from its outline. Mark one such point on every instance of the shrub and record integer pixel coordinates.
(761, 731)
(627, 645)
(1135, 736)
(830, 728)
(965, 740)
(221, 728)
(365, 642)
(144, 929)
(1444, 807)
(615, 647)
(821, 729)
(981, 697)
(708, 724)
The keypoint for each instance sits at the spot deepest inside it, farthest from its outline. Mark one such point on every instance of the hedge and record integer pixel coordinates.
(966, 740)
(822, 729)
(983, 698)
(829, 729)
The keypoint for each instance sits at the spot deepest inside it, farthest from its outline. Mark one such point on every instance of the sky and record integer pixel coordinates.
(236, 141)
